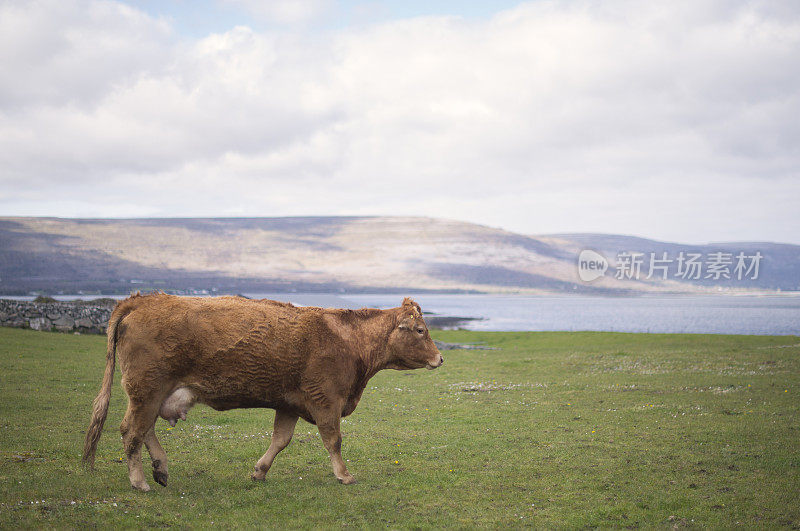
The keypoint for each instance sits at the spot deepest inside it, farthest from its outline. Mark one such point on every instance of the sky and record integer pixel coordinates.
(675, 120)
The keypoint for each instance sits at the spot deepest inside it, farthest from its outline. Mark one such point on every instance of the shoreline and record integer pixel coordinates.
(721, 314)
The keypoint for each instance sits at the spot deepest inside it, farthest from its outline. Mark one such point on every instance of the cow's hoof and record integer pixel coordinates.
(143, 486)
(347, 480)
(160, 477)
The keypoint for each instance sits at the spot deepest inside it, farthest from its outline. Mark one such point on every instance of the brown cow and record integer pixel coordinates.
(232, 352)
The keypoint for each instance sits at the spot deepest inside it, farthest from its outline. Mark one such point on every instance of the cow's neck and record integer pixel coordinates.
(378, 329)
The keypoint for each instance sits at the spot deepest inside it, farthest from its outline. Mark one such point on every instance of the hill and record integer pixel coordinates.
(353, 254)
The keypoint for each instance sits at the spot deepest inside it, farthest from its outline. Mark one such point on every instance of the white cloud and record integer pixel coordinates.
(72, 53)
(675, 121)
(284, 11)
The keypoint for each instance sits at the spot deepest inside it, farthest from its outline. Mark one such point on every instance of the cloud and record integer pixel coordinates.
(284, 11)
(73, 53)
(549, 117)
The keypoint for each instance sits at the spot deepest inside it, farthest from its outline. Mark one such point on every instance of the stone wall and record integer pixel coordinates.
(83, 317)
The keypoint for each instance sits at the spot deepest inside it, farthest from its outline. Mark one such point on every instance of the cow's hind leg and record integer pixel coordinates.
(139, 419)
(332, 438)
(158, 456)
(281, 435)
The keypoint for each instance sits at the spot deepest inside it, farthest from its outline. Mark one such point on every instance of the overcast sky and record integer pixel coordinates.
(675, 120)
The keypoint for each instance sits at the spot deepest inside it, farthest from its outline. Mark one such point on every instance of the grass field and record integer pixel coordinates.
(553, 430)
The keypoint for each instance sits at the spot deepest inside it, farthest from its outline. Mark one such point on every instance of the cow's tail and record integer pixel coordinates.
(100, 405)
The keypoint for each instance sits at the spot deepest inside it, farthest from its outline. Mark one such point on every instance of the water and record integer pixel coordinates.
(761, 315)
(708, 314)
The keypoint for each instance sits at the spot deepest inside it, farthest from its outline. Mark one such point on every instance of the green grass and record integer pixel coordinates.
(554, 430)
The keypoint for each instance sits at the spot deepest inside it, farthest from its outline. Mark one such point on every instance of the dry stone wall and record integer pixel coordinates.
(82, 317)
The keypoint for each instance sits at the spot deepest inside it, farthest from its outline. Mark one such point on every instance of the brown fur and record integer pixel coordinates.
(231, 352)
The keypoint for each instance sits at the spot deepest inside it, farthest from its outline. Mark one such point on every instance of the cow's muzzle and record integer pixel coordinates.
(438, 363)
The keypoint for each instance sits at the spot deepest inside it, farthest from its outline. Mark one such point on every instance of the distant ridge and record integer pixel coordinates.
(336, 254)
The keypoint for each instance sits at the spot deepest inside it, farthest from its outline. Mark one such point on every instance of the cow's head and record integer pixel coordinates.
(410, 344)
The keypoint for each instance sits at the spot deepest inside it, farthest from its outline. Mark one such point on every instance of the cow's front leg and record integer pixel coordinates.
(282, 432)
(332, 439)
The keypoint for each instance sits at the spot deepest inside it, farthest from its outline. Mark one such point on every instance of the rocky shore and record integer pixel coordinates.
(86, 317)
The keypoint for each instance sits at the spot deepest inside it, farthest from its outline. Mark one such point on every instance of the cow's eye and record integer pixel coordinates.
(420, 331)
